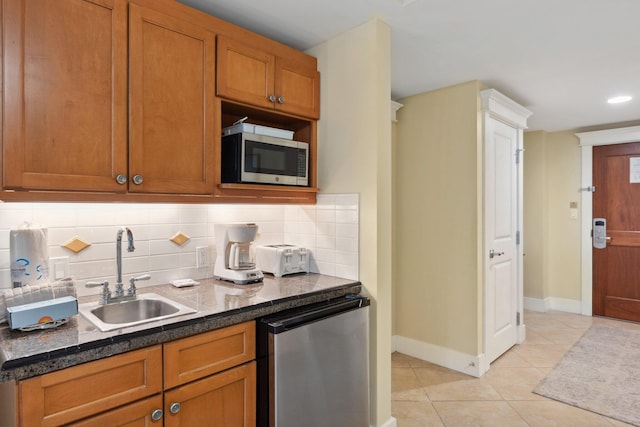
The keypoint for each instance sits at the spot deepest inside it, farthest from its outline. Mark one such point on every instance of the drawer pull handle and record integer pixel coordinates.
(174, 408)
(156, 415)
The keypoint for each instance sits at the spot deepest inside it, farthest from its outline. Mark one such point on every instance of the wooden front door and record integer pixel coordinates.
(616, 268)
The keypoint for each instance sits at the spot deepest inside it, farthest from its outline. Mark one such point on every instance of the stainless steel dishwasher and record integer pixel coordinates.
(313, 365)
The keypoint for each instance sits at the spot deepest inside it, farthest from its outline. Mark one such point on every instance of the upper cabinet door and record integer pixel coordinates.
(257, 77)
(65, 94)
(172, 90)
(297, 88)
(245, 74)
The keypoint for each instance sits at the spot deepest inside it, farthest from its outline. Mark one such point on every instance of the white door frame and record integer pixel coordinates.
(587, 141)
(496, 105)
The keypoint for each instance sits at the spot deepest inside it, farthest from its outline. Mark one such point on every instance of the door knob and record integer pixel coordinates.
(174, 408)
(121, 178)
(272, 98)
(281, 100)
(493, 253)
(156, 415)
(137, 179)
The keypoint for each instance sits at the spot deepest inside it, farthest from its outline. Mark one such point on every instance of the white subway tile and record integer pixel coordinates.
(346, 244)
(346, 217)
(347, 230)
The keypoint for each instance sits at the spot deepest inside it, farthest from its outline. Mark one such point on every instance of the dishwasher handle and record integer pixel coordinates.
(350, 302)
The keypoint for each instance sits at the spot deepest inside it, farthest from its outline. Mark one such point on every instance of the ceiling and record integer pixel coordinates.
(561, 59)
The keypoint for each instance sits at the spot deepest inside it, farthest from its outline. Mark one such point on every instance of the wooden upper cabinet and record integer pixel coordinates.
(289, 83)
(173, 121)
(65, 94)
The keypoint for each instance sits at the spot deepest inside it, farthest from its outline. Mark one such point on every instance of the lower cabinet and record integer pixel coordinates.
(204, 380)
(227, 399)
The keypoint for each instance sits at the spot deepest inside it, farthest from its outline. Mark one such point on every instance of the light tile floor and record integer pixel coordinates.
(424, 394)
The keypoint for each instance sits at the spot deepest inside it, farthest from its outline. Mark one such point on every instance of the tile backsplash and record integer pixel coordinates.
(328, 229)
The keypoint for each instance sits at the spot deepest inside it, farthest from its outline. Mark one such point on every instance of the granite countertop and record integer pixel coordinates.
(217, 304)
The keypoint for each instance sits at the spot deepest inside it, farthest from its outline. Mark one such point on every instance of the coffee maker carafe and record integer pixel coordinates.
(235, 260)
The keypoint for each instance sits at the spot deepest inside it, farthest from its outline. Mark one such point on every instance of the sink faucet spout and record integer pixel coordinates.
(119, 291)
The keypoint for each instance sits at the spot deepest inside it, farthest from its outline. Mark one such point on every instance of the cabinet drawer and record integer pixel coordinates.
(74, 393)
(195, 357)
(134, 415)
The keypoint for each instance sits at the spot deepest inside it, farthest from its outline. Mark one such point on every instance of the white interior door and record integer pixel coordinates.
(501, 225)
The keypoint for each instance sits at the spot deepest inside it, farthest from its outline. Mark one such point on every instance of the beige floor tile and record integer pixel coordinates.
(552, 413)
(510, 359)
(515, 383)
(399, 360)
(537, 337)
(405, 385)
(443, 385)
(478, 414)
(541, 355)
(415, 414)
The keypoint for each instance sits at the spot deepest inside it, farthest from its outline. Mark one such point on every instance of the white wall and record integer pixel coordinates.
(329, 229)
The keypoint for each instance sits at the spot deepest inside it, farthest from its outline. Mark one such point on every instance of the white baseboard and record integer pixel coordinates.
(391, 422)
(552, 303)
(452, 359)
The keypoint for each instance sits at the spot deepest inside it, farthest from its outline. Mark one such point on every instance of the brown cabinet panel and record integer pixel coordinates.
(195, 357)
(173, 122)
(65, 97)
(245, 73)
(227, 399)
(137, 414)
(298, 87)
(84, 390)
(253, 75)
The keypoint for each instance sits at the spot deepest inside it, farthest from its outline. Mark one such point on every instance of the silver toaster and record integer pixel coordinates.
(281, 260)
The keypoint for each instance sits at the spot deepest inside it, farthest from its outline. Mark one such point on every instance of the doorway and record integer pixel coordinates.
(588, 140)
(616, 210)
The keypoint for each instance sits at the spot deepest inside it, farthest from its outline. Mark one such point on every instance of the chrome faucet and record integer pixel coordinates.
(119, 295)
(119, 292)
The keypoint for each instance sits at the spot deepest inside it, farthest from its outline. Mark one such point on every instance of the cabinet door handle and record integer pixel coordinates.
(137, 179)
(281, 100)
(272, 98)
(121, 178)
(156, 414)
(174, 408)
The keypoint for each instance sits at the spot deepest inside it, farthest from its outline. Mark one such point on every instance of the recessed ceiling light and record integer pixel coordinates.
(619, 99)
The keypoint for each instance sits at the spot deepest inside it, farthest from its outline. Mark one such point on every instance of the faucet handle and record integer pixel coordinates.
(106, 293)
(132, 283)
(96, 284)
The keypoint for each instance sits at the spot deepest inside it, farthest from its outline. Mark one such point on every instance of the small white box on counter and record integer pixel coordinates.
(35, 313)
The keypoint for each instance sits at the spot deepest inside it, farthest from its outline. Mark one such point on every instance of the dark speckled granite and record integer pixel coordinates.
(218, 304)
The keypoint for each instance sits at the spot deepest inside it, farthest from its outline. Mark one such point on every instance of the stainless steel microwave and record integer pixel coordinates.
(261, 159)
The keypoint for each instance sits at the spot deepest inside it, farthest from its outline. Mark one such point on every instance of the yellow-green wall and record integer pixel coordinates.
(354, 149)
(535, 217)
(551, 236)
(436, 273)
